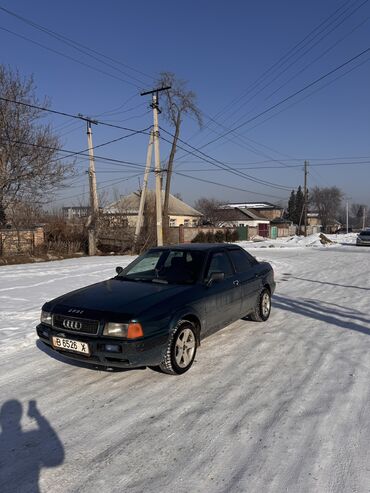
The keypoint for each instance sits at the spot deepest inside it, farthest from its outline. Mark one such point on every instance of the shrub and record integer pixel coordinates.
(234, 236)
(199, 238)
(228, 235)
(210, 237)
(219, 237)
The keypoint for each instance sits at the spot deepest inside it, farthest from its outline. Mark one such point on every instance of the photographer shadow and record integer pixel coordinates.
(24, 453)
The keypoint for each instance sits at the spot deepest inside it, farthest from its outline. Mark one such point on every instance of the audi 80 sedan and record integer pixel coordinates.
(156, 311)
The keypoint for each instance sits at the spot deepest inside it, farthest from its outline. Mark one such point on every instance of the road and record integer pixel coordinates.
(267, 407)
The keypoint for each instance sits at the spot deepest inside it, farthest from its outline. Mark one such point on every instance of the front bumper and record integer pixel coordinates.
(127, 354)
(362, 242)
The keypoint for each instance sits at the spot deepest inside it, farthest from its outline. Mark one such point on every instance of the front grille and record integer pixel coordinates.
(71, 324)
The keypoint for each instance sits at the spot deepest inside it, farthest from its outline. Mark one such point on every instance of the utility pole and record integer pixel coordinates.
(347, 214)
(140, 216)
(157, 169)
(94, 206)
(305, 197)
(363, 217)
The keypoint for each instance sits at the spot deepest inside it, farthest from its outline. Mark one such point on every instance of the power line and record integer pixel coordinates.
(284, 100)
(213, 161)
(75, 44)
(222, 165)
(292, 52)
(99, 188)
(226, 186)
(68, 57)
(286, 68)
(311, 93)
(100, 145)
(69, 115)
(102, 158)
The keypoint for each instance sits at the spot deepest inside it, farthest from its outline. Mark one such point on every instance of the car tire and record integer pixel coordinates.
(181, 349)
(262, 309)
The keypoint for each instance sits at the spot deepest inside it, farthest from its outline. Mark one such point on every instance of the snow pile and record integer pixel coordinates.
(314, 240)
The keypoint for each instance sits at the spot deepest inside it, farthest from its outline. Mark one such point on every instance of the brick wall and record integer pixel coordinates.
(13, 242)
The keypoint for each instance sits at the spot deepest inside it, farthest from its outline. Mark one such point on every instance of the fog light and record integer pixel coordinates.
(113, 348)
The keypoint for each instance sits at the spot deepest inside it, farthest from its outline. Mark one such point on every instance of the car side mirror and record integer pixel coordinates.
(119, 270)
(215, 277)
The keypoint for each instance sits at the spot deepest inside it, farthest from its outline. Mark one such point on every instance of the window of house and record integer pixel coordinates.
(172, 222)
(186, 222)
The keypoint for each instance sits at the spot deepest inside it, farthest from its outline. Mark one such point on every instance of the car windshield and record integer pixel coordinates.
(166, 266)
(365, 233)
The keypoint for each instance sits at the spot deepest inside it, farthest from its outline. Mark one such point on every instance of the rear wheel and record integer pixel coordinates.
(262, 309)
(181, 349)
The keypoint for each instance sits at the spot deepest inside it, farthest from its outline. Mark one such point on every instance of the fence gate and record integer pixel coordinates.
(242, 233)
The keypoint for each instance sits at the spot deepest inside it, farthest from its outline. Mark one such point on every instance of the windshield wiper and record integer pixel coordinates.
(160, 281)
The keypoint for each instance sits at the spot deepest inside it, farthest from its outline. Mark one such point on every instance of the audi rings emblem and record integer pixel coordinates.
(72, 324)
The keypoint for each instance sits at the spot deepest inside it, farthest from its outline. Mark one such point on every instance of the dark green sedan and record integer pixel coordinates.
(156, 311)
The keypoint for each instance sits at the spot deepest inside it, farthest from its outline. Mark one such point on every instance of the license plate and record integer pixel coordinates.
(71, 345)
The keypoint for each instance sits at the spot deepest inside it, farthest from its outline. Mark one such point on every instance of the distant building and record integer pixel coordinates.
(262, 209)
(230, 216)
(180, 213)
(75, 212)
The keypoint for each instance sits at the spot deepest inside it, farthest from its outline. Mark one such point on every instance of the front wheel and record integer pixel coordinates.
(181, 349)
(262, 309)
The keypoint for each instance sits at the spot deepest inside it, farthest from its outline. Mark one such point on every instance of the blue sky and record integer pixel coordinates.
(221, 49)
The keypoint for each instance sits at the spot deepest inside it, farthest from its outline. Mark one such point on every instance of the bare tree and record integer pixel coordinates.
(179, 101)
(29, 166)
(210, 208)
(327, 201)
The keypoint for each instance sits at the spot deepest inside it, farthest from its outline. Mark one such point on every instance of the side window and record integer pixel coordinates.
(220, 263)
(241, 261)
(173, 254)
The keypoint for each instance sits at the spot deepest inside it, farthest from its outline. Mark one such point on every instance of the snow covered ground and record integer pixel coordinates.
(273, 407)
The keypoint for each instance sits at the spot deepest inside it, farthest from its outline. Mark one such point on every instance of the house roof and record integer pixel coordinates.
(129, 204)
(240, 214)
(253, 205)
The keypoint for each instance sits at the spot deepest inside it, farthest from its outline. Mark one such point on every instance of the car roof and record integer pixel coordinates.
(198, 246)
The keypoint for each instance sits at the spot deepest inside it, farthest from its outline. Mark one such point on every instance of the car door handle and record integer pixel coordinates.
(236, 283)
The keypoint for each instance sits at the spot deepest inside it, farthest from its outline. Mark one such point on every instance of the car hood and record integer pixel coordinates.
(126, 298)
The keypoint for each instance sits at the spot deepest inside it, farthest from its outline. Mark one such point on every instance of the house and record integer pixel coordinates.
(262, 209)
(313, 222)
(231, 216)
(75, 212)
(180, 213)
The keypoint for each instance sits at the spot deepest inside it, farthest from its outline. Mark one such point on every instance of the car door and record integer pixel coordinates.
(246, 268)
(222, 299)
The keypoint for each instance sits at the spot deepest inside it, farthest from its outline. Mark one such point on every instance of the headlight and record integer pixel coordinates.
(128, 331)
(115, 330)
(46, 318)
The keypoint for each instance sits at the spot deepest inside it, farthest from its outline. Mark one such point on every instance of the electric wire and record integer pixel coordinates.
(70, 42)
(222, 165)
(223, 185)
(69, 57)
(294, 61)
(291, 96)
(288, 55)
